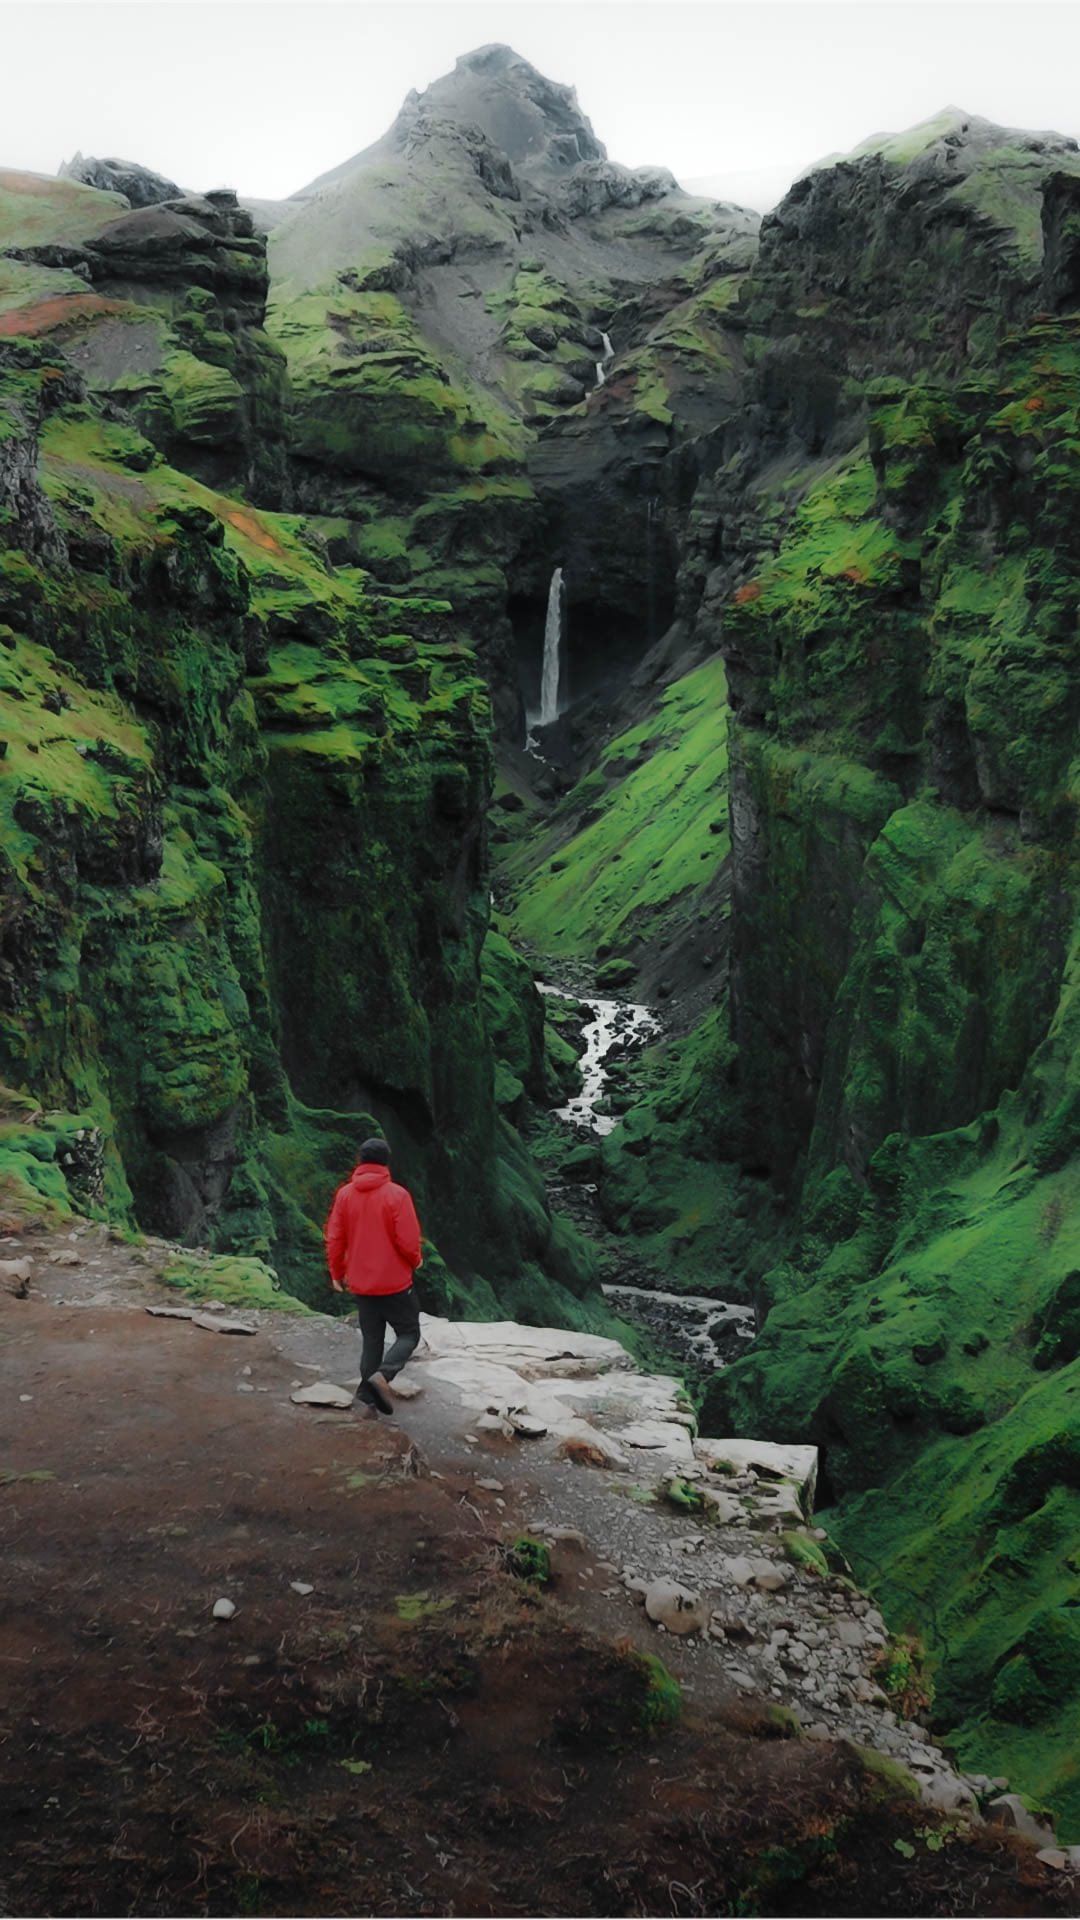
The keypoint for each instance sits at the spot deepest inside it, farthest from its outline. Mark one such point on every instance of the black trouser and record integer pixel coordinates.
(377, 1311)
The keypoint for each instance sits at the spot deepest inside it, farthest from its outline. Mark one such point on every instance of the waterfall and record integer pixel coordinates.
(602, 365)
(553, 636)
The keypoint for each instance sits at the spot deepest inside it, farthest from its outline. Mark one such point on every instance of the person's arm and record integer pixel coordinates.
(405, 1229)
(337, 1240)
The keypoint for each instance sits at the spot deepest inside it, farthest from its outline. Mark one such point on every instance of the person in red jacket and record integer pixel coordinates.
(373, 1250)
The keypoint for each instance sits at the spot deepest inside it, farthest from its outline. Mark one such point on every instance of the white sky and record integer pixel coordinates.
(746, 92)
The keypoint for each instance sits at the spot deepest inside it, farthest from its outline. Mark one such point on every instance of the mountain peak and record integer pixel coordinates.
(535, 121)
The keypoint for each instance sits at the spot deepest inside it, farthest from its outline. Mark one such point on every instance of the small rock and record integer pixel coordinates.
(674, 1607)
(405, 1389)
(566, 1537)
(172, 1313)
(851, 1633)
(742, 1680)
(491, 1486)
(67, 1257)
(947, 1792)
(244, 1386)
(15, 1276)
(740, 1570)
(770, 1578)
(494, 1423)
(301, 1586)
(526, 1425)
(1054, 1857)
(723, 1508)
(322, 1393)
(213, 1325)
(1008, 1810)
(223, 1609)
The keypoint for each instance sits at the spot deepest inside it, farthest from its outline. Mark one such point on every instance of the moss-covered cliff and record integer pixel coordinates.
(243, 789)
(902, 654)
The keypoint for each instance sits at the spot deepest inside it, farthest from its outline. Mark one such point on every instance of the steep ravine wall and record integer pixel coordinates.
(244, 794)
(905, 689)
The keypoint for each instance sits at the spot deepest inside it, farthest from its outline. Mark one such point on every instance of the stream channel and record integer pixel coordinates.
(701, 1332)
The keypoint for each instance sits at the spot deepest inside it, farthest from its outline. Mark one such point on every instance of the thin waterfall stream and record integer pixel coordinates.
(551, 671)
(602, 364)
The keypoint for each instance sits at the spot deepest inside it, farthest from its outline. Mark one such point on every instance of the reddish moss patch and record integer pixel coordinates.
(44, 316)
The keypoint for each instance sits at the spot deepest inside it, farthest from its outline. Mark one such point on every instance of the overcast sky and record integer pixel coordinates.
(265, 96)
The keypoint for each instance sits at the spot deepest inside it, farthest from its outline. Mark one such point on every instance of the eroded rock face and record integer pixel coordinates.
(140, 186)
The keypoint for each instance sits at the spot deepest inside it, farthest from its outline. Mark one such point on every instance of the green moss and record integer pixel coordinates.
(530, 1560)
(414, 1608)
(236, 1283)
(890, 1772)
(663, 1702)
(806, 1553)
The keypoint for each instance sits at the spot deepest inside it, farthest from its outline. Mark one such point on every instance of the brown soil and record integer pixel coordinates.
(422, 1734)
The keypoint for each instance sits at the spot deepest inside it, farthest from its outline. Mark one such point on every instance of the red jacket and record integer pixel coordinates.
(373, 1234)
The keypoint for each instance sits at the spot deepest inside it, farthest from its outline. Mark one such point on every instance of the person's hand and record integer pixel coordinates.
(337, 1285)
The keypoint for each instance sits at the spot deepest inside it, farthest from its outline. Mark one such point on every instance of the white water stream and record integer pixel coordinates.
(602, 365)
(708, 1331)
(613, 1021)
(551, 673)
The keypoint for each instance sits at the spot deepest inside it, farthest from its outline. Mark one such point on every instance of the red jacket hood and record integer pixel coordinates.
(369, 1174)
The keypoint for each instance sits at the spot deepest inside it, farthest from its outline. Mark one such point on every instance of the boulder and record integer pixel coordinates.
(768, 1458)
(675, 1607)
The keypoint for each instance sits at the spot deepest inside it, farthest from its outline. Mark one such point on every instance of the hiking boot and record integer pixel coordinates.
(379, 1389)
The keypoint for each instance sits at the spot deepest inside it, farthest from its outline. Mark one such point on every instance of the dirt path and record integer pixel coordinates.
(421, 1732)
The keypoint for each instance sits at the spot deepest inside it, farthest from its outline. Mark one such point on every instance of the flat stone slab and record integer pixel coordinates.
(531, 1351)
(321, 1393)
(798, 1464)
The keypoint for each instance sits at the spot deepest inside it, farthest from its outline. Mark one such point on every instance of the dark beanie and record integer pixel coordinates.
(375, 1151)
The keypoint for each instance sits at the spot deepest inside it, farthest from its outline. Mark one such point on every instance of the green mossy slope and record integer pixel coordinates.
(630, 854)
